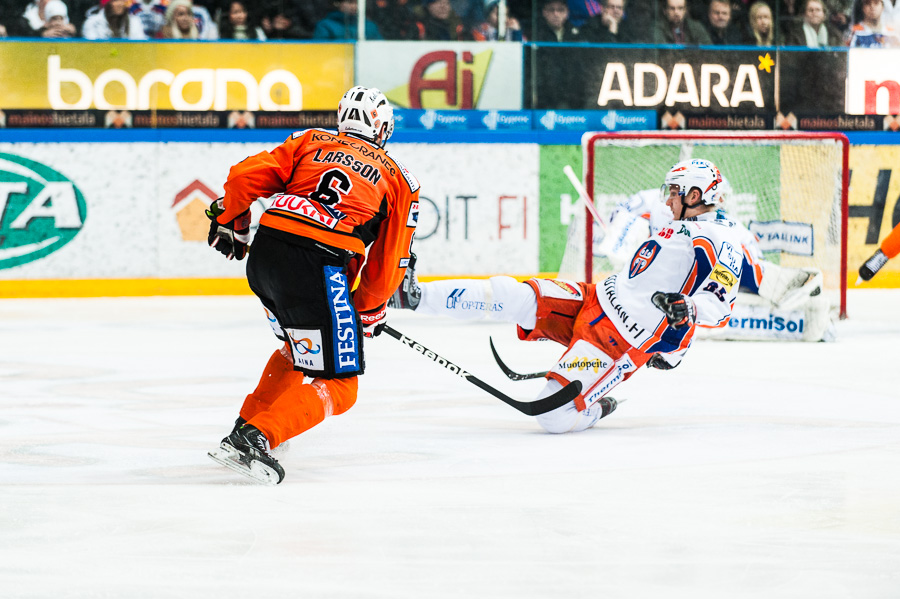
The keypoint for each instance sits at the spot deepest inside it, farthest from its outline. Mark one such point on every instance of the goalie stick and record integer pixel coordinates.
(512, 374)
(582, 193)
(529, 408)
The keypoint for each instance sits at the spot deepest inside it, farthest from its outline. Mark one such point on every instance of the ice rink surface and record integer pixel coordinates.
(753, 470)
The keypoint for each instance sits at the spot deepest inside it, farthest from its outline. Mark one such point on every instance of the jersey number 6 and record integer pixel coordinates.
(332, 186)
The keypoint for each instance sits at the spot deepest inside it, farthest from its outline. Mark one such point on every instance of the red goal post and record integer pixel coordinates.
(781, 183)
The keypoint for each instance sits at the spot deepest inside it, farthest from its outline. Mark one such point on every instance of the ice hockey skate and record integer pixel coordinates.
(246, 451)
(871, 266)
(280, 450)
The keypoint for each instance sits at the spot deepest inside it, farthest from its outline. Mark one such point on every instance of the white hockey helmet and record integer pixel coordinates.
(698, 173)
(365, 112)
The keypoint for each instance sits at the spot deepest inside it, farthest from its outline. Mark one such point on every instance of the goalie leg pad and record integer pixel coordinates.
(789, 288)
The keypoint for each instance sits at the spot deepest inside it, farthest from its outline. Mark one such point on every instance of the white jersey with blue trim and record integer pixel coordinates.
(700, 257)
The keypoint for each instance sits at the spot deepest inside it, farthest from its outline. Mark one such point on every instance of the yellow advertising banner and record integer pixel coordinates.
(174, 75)
(874, 209)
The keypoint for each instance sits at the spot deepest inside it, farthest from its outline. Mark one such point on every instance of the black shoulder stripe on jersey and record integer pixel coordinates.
(410, 178)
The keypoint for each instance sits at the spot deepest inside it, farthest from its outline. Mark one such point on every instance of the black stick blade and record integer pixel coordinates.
(529, 408)
(512, 374)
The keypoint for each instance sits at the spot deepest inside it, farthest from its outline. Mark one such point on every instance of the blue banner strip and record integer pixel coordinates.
(561, 137)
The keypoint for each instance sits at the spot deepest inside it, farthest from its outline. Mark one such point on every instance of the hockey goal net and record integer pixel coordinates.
(790, 189)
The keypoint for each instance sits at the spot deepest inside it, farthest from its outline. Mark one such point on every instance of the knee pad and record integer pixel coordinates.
(566, 419)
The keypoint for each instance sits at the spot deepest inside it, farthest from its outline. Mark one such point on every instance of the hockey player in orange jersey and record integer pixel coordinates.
(889, 248)
(341, 210)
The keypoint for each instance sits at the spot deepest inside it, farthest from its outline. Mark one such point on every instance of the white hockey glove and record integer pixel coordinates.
(373, 321)
(231, 239)
(678, 308)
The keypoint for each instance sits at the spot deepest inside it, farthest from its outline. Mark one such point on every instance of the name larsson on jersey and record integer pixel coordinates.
(365, 170)
(609, 290)
(346, 351)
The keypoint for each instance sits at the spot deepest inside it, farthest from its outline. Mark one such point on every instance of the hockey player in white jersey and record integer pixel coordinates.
(769, 293)
(686, 274)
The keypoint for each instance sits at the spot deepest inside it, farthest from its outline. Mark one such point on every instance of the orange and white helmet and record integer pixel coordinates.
(700, 174)
(366, 112)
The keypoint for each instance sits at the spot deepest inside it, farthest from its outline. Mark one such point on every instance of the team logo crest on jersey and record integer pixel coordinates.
(643, 258)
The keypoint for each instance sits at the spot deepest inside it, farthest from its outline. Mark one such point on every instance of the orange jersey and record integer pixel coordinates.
(341, 191)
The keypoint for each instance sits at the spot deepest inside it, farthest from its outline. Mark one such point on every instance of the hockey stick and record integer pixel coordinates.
(530, 408)
(512, 374)
(509, 372)
(608, 408)
(582, 193)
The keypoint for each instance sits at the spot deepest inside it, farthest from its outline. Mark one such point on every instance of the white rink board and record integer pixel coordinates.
(479, 208)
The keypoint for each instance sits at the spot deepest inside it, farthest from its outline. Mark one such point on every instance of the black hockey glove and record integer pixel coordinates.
(373, 321)
(232, 238)
(679, 309)
(659, 362)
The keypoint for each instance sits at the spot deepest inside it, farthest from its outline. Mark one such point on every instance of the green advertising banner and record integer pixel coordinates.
(559, 201)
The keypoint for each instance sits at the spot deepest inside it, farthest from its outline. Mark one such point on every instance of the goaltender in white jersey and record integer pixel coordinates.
(686, 274)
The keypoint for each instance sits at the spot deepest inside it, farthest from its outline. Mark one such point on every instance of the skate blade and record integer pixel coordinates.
(254, 470)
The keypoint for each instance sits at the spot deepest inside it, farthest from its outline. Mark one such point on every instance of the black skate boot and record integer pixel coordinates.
(872, 266)
(409, 293)
(279, 451)
(246, 451)
(602, 408)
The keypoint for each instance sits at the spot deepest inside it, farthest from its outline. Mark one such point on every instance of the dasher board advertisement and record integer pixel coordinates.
(443, 75)
(873, 81)
(181, 76)
(72, 211)
(688, 80)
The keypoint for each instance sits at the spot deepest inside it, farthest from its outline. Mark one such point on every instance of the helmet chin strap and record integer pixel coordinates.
(685, 205)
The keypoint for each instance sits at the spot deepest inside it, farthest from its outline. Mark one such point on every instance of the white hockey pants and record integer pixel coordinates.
(506, 300)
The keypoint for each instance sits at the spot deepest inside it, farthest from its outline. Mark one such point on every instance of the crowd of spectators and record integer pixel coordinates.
(810, 23)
